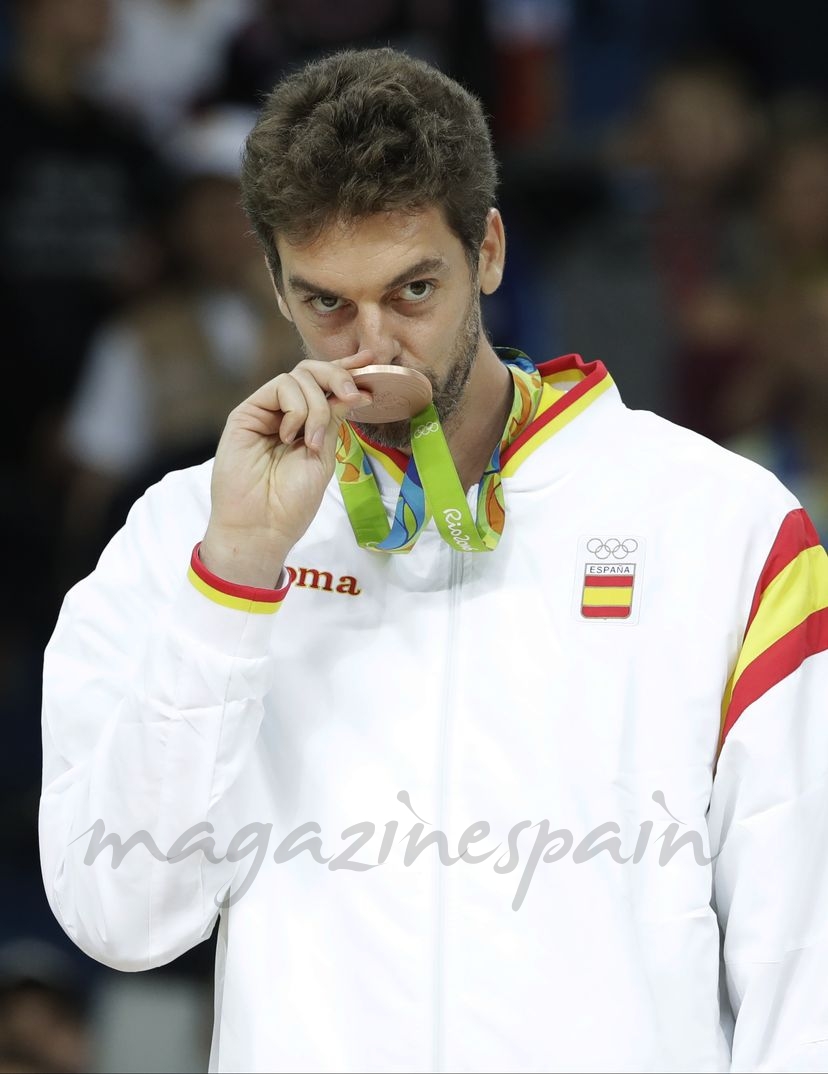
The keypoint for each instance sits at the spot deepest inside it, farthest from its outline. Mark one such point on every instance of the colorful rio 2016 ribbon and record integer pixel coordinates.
(430, 485)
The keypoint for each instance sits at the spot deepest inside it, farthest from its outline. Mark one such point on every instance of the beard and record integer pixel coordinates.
(447, 394)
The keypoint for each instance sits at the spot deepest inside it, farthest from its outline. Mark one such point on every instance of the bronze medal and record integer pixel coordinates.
(398, 393)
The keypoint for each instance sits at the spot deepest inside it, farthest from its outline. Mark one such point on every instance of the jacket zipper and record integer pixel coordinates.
(455, 585)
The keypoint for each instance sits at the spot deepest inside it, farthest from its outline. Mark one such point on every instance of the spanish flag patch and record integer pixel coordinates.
(608, 590)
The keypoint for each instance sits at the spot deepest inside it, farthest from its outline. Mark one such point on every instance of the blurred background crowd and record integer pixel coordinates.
(665, 192)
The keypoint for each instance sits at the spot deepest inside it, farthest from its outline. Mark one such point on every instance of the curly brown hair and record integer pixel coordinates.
(361, 132)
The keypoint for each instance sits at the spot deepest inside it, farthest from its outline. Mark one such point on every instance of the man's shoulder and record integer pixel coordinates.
(676, 463)
(167, 520)
(189, 486)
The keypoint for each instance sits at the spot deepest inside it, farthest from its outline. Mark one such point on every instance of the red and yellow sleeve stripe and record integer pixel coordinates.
(241, 597)
(788, 620)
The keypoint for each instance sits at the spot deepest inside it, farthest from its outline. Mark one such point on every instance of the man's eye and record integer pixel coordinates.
(325, 303)
(417, 291)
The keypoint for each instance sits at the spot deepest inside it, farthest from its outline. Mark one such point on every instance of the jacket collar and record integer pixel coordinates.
(571, 388)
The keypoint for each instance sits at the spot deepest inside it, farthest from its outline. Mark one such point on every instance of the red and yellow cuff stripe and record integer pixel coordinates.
(243, 598)
(788, 619)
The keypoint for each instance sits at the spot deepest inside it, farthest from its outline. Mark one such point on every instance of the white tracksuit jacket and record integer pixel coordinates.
(558, 728)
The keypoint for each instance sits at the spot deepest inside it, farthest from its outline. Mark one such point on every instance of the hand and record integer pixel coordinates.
(273, 463)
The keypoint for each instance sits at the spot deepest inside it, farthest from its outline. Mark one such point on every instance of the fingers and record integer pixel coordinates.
(355, 361)
(292, 402)
(307, 400)
(319, 410)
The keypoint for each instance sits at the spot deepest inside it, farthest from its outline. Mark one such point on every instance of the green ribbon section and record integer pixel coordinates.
(443, 492)
(430, 484)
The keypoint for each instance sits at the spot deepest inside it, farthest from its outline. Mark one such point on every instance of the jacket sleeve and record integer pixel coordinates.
(769, 814)
(152, 700)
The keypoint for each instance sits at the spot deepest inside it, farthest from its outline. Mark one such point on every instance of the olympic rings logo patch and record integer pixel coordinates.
(612, 547)
(424, 430)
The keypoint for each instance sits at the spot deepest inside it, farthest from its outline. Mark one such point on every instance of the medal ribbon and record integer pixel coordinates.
(430, 484)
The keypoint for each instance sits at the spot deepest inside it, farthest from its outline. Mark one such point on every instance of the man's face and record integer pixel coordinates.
(397, 284)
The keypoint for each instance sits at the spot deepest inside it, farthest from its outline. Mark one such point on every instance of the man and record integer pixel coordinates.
(611, 708)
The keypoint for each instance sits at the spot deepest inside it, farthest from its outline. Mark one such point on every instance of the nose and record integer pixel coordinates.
(374, 332)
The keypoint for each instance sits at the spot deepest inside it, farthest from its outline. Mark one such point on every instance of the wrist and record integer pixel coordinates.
(245, 598)
(245, 564)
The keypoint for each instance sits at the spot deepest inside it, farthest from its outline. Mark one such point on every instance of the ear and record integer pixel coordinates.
(492, 253)
(280, 299)
(283, 306)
